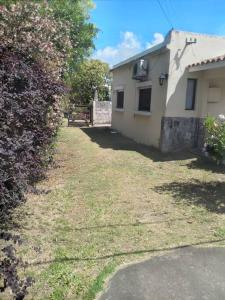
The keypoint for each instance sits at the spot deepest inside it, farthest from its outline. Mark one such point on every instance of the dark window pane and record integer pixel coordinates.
(190, 94)
(120, 99)
(145, 99)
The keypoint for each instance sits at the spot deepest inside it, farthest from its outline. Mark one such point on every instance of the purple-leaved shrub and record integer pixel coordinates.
(33, 49)
(29, 117)
(32, 60)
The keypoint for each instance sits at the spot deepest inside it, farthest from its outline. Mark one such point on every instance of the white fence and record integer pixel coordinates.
(102, 112)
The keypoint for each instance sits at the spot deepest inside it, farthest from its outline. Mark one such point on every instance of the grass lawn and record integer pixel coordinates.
(110, 201)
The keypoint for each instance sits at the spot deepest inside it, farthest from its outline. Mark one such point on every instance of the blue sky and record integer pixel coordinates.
(130, 26)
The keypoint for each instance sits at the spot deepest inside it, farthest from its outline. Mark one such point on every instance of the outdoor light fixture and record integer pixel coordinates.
(162, 77)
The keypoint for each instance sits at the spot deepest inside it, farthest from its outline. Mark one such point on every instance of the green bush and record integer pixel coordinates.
(215, 141)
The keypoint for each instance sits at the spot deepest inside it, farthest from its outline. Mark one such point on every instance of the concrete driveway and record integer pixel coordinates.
(185, 274)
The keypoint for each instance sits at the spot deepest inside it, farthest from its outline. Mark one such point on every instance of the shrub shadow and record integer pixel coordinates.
(205, 164)
(12, 219)
(210, 195)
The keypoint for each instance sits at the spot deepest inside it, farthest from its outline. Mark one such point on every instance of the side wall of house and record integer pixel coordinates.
(179, 126)
(143, 129)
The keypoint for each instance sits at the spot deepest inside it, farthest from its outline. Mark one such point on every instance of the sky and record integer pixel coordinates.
(127, 27)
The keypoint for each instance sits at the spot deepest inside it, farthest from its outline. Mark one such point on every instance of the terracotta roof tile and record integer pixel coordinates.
(208, 60)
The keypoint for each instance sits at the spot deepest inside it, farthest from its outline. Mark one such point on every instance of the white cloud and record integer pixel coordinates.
(158, 38)
(129, 45)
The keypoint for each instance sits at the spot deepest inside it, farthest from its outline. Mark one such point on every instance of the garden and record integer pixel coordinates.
(109, 201)
(75, 203)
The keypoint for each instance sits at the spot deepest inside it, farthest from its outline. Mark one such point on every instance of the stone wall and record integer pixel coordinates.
(101, 112)
(178, 133)
(200, 134)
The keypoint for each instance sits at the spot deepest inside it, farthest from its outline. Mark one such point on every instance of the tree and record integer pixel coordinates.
(75, 14)
(40, 42)
(92, 76)
(35, 36)
(32, 51)
(37, 43)
(31, 61)
(81, 31)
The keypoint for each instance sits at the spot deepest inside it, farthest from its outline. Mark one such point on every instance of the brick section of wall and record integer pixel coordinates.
(102, 112)
(179, 133)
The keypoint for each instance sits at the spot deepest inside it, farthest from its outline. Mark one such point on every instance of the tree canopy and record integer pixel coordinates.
(92, 75)
(75, 15)
(41, 42)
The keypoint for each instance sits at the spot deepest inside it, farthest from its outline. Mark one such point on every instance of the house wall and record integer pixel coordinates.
(214, 105)
(143, 129)
(180, 57)
(170, 127)
(180, 127)
(186, 132)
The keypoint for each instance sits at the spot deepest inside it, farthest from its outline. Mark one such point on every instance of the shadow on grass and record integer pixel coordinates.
(107, 138)
(118, 254)
(12, 220)
(210, 195)
(129, 224)
(203, 164)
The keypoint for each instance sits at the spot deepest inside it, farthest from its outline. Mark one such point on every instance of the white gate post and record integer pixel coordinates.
(94, 112)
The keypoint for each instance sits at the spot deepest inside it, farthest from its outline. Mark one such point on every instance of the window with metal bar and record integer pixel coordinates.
(191, 94)
(120, 99)
(145, 99)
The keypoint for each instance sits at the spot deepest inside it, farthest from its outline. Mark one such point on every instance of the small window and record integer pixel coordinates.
(144, 99)
(120, 99)
(191, 94)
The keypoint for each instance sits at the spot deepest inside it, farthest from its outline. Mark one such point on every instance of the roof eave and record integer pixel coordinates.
(151, 50)
(207, 66)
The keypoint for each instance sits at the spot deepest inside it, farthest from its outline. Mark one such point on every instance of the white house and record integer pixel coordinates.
(161, 95)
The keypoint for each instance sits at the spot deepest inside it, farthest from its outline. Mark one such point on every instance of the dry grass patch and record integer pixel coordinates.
(111, 201)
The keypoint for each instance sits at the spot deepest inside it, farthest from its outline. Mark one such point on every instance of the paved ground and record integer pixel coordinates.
(189, 273)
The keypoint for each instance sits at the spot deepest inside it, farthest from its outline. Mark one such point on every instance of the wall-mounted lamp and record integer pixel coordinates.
(162, 77)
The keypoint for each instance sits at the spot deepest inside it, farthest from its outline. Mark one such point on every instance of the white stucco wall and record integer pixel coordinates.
(214, 78)
(182, 55)
(169, 100)
(143, 129)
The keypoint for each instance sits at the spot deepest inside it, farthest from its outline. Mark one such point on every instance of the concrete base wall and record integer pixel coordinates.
(178, 133)
(102, 112)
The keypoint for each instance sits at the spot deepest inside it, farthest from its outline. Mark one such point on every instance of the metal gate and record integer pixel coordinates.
(80, 116)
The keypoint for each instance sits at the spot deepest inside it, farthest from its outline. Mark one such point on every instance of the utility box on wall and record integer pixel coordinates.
(214, 95)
